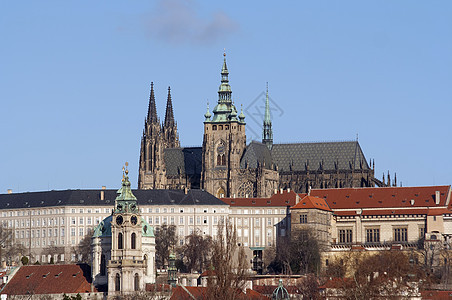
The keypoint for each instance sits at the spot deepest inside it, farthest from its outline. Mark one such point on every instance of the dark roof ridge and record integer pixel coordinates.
(316, 142)
(381, 188)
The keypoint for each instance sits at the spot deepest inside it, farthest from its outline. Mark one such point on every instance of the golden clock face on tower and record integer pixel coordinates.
(134, 220)
(119, 220)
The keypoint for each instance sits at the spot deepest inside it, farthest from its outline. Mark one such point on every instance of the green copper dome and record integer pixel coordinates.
(280, 292)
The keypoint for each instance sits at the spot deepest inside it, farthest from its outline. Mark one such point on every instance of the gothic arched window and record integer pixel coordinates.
(136, 282)
(103, 265)
(223, 160)
(120, 241)
(117, 283)
(134, 241)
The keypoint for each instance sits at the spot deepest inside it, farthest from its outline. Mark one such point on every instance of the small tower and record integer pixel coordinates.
(267, 132)
(132, 256)
(172, 270)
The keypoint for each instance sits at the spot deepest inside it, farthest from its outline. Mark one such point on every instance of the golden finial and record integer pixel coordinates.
(127, 171)
(224, 52)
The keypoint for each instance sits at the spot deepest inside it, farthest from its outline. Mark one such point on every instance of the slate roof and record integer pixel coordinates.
(92, 197)
(183, 161)
(50, 279)
(256, 152)
(295, 156)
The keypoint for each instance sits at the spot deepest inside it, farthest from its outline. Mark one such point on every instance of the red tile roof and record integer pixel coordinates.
(279, 199)
(312, 202)
(386, 197)
(199, 293)
(50, 279)
(436, 295)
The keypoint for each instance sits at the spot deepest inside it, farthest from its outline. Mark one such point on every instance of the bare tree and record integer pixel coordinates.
(229, 274)
(6, 237)
(387, 274)
(165, 240)
(297, 254)
(82, 251)
(197, 251)
(309, 287)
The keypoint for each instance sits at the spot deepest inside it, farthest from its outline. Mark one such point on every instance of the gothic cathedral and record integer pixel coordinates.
(226, 166)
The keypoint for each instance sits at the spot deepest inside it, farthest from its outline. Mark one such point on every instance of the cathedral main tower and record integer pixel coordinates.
(224, 142)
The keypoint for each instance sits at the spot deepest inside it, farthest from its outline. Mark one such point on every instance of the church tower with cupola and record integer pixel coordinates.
(224, 142)
(124, 246)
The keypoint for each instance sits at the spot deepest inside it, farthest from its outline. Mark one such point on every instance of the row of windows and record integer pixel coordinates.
(400, 234)
(54, 211)
(258, 221)
(173, 210)
(37, 233)
(259, 211)
(172, 220)
(44, 222)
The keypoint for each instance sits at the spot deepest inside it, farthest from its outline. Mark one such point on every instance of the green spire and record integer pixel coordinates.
(207, 115)
(225, 92)
(267, 132)
(225, 110)
(125, 192)
(241, 116)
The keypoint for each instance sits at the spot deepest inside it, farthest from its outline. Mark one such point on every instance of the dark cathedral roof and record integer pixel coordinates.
(340, 155)
(255, 153)
(92, 197)
(183, 161)
(299, 156)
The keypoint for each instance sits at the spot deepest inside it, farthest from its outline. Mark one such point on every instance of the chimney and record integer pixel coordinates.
(309, 191)
(10, 191)
(246, 195)
(437, 198)
(297, 199)
(185, 190)
(234, 196)
(281, 190)
(276, 191)
(102, 192)
(412, 202)
(288, 190)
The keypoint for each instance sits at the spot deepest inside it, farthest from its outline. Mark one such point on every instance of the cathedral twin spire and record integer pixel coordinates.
(152, 109)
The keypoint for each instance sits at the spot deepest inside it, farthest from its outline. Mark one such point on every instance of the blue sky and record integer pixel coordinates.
(75, 77)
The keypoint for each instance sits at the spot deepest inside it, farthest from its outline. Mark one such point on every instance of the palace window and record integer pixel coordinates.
(134, 241)
(136, 281)
(400, 234)
(303, 219)
(421, 232)
(345, 236)
(120, 241)
(373, 235)
(117, 283)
